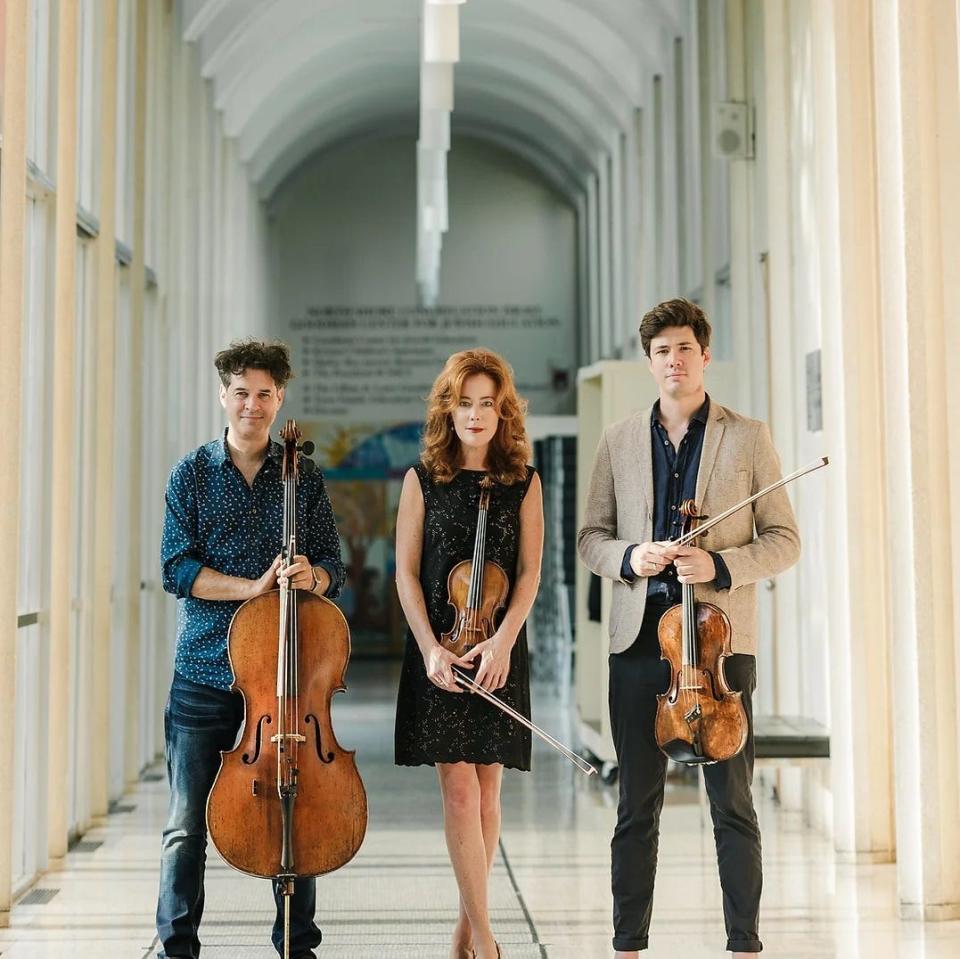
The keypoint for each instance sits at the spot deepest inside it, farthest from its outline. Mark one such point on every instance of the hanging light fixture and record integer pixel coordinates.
(439, 51)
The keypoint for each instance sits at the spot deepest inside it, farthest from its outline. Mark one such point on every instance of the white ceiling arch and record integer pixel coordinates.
(382, 108)
(267, 136)
(555, 170)
(558, 78)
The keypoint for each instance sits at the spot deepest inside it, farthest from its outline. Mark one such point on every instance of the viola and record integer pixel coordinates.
(288, 802)
(700, 719)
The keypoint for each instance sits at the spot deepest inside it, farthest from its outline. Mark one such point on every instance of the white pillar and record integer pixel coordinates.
(134, 443)
(856, 553)
(593, 249)
(64, 478)
(918, 135)
(13, 212)
(105, 300)
(605, 256)
(741, 204)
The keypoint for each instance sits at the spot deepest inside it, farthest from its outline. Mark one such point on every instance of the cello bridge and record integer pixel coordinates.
(293, 737)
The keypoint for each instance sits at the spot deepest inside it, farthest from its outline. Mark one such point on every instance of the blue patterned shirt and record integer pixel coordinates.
(215, 519)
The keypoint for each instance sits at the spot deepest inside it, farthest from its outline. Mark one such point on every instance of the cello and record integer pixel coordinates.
(288, 802)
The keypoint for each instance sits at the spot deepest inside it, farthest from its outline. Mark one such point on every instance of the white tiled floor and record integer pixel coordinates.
(549, 888)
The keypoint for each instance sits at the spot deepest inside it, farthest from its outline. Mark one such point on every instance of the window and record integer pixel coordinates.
(88, 131)
(81, 640)
(41, 117)
(126, 102)
(30, 771)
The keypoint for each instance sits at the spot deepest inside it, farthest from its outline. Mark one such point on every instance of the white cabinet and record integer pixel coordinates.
(606, 392)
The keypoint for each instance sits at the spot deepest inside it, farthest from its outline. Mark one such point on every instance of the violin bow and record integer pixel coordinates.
(700, 530)
(475, 687)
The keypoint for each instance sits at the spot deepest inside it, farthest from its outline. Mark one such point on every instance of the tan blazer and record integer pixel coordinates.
(738, 459)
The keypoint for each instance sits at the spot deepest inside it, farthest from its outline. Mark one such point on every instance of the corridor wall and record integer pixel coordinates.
(130, 249)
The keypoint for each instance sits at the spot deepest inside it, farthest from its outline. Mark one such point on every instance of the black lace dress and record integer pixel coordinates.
(434, 726)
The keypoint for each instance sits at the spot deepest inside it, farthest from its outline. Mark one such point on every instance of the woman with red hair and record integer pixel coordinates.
(475, 429)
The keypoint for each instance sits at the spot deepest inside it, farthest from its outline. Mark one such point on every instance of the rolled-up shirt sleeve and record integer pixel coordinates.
(321, 541)
(178, 548)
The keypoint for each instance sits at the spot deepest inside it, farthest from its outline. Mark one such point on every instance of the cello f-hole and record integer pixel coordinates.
(329, 757)
(247, 758)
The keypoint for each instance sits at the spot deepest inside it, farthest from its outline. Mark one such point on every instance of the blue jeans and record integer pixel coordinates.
(199, 721)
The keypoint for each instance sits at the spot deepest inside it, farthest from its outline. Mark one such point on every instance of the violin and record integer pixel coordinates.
(700, 719)
(288, 802)
(477, 589)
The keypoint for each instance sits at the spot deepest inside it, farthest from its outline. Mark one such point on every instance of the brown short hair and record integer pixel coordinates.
(678, 312)
(509, 450)
(243, 355)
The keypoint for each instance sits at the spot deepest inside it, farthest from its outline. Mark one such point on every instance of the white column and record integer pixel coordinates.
(779, 331)
(593, 249)
(105, 300)
(618, 243)
(13, 207)
(62, 546)
(134, 444)
(861, 741)
(604, 256)
(741, 205)
(705, 95)
(918, 135)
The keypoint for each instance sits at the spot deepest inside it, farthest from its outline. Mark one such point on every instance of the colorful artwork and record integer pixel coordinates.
(364, 467)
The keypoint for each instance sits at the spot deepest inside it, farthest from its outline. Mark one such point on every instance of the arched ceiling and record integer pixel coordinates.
(554, 80)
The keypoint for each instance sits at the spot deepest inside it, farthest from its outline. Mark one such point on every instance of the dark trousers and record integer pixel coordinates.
(636, 677)
(199, 721)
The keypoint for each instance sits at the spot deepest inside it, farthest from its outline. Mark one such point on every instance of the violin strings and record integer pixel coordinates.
(481, 550)
(474, 597)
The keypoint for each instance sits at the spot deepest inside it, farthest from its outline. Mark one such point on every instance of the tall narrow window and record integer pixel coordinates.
(29, 767)
(81, 640)
(40, 83)
(88, 128)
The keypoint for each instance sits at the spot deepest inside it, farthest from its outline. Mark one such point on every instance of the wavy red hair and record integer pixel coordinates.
(509, 450)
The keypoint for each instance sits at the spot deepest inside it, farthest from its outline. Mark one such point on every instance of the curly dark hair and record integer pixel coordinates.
(243, 355)
(678, 312)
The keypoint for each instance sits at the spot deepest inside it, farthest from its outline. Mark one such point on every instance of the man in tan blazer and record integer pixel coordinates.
(684, 447)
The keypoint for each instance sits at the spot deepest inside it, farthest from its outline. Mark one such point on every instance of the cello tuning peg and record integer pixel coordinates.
(307, 448)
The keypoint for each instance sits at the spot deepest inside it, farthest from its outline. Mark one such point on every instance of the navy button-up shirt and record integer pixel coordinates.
(215, 519)
(674, 480)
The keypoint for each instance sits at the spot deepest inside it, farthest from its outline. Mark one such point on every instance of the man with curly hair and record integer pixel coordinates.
(223, 527)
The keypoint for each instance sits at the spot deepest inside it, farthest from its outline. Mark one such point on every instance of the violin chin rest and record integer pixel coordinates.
(682, 752)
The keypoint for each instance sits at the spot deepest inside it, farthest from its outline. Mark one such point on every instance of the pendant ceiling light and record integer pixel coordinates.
(439, 51)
